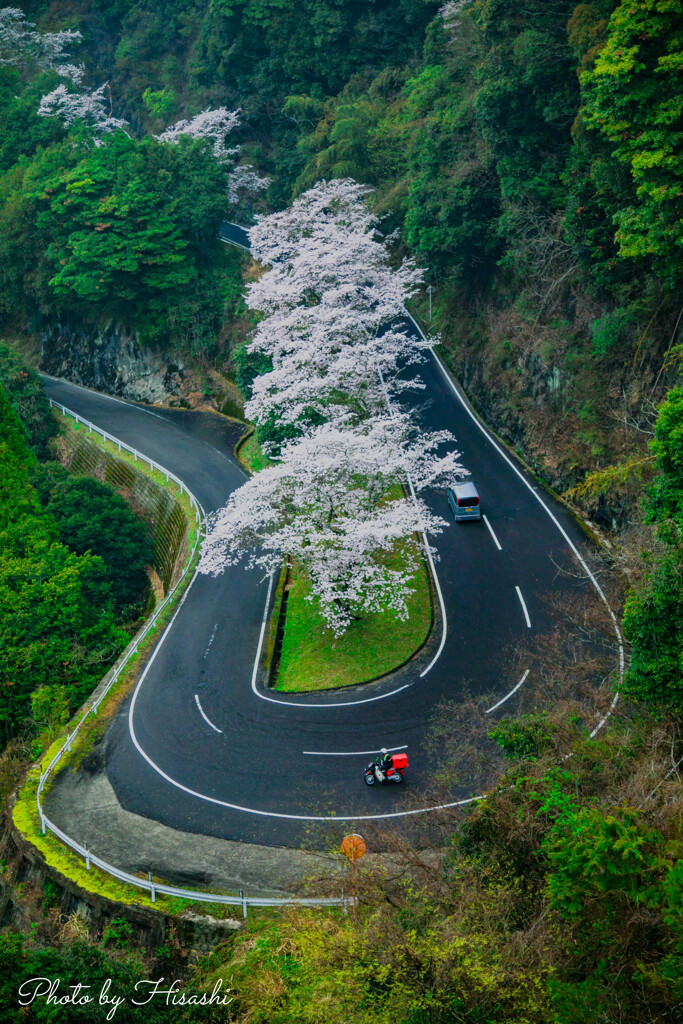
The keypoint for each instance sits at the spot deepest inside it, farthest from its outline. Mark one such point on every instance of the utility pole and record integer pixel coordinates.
(429, 289)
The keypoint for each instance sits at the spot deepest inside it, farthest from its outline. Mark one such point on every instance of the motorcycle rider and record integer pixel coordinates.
(382, 764)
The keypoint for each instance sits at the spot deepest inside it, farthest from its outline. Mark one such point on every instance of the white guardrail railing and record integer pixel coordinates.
(90, 858)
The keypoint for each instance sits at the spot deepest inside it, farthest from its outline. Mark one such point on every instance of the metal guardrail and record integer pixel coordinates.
(90, 858)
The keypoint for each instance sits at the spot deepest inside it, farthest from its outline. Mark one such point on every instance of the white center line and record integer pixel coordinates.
(201, 712)
(490, 529)
(213, 635)
(526, 614)
(349, 753)
(514, 690)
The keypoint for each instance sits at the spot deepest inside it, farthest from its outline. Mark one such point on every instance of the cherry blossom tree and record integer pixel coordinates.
(334, 505)
(216, 125)
(209, 124)
(325, 363)
(324, 248)
(245, 179)
(328, 295)
(335, 501)
(82, 106)
(20, 44)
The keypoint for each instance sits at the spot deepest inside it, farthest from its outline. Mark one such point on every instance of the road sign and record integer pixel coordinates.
(354, 847)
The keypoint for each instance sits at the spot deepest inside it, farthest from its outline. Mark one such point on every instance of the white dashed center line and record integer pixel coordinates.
(526, 614)
(490, 529)
(201, 712)
(350, 753)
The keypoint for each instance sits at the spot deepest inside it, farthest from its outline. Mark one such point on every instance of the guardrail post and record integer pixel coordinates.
(244, 903)
(151, 887)
(87, 857)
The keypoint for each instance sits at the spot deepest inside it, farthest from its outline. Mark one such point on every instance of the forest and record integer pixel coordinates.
(527, 160)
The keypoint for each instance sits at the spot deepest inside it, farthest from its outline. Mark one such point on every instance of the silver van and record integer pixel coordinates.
(464, 500)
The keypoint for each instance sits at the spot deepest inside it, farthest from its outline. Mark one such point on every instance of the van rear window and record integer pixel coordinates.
(467, 502)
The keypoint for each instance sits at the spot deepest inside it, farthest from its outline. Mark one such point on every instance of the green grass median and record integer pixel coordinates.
(313, 658)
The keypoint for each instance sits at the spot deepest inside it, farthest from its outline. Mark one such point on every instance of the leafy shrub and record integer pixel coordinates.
(92, 517)
(610, 331)
(24, 389)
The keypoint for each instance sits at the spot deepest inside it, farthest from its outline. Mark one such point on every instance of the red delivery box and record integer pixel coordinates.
(400, 760)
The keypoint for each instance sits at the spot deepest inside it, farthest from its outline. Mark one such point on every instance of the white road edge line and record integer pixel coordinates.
(523, 604)
(508, 695)
(442, 605)
(203, 714)
(349, 753)
(539, 499)
(230, 241)
(490, 529)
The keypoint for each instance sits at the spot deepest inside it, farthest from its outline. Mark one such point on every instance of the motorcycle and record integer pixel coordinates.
(394, 772)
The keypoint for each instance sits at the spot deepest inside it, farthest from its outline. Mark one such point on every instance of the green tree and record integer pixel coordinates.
(132, 229)
(653, 617)
(24, 389)
(50, 708)
(633, 98)
(160, 103)
(92, 517)
(56, 628)
(607, 888)
(23, 131)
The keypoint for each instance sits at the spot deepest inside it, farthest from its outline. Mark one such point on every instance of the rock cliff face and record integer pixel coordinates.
(109, 359)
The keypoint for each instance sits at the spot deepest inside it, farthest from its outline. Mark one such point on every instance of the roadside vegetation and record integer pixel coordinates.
(62, 623)
(40, 742)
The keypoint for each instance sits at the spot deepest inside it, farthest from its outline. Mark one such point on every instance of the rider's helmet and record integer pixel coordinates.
(383, 750)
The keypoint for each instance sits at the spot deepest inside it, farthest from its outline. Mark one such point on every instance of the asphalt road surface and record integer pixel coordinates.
(201, 747)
